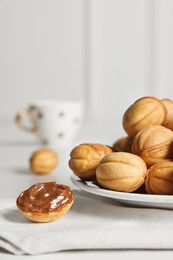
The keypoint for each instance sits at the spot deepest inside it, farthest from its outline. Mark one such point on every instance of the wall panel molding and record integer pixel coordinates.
(162, 48)
(93, 40)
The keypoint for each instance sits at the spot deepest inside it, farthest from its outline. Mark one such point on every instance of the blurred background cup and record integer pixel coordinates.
(54, 122)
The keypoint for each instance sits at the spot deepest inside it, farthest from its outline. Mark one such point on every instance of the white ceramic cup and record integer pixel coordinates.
(55, 122)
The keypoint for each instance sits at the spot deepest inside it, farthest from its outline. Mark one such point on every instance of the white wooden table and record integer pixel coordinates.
(15, 176)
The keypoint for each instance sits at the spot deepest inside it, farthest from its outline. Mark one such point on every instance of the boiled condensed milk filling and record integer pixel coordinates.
(44, 197)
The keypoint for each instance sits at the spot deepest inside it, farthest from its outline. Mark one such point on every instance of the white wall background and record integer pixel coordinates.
(41, 51)
(107, 52)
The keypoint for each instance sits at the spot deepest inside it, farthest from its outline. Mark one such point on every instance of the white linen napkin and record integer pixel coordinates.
(93, 222)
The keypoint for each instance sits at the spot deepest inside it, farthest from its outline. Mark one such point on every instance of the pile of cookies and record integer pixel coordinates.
(143, 157)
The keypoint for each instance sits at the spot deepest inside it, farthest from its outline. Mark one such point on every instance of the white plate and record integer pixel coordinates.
(136, 199)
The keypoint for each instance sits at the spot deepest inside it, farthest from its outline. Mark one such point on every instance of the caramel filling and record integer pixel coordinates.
(44, 197)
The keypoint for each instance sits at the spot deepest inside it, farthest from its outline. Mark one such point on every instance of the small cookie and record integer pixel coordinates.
(85, 159)
(43, 161)
(45, 202)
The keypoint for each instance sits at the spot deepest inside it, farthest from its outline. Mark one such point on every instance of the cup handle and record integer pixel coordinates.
(24, 112)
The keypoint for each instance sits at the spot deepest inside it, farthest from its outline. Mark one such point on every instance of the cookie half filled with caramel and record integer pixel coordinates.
(45, 202)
